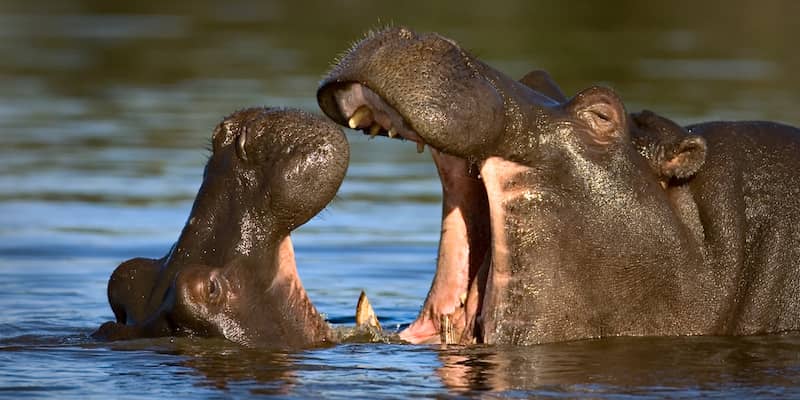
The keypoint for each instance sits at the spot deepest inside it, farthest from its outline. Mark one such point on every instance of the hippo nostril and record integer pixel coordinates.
(241, 141)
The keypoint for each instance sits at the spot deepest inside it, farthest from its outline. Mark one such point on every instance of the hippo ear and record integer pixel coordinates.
(684, 158)
(543, 83)
(672, 151)
(602, 111)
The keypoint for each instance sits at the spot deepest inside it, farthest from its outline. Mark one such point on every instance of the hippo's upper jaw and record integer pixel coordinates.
(537, 196)
(232, 272)
(370, 90)
(421, 87)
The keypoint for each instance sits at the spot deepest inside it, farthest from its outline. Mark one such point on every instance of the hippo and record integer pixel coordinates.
(568, 219)
(232, 272)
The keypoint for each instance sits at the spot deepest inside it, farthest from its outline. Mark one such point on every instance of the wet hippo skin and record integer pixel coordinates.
(567, 219)
(232, 272)
(672, 152)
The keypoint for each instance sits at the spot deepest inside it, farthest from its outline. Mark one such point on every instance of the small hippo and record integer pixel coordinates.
(568, 219)
(232, 272)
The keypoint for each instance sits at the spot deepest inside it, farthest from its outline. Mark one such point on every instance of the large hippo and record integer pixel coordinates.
(232, 272)
(567, 219)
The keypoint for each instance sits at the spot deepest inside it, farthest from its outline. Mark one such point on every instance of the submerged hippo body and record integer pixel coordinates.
(570, 219)
(232, 272)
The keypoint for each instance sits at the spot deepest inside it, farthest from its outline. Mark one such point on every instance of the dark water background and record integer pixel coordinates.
(105, 108)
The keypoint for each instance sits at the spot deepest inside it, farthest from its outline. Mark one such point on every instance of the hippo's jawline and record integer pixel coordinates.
(451, 310)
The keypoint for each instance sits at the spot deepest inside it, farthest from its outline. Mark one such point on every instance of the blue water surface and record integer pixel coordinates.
(105, 112)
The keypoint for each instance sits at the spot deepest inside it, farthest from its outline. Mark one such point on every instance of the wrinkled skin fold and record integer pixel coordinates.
(232, 272)
(568, 218)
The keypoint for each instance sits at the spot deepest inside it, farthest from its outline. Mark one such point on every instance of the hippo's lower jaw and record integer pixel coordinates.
(202, 302)
(451, 313)
(209, 302)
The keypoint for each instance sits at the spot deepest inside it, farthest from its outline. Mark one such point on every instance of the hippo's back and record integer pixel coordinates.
(748, 195)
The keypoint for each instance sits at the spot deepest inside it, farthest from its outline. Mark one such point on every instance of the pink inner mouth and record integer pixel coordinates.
(450, 312)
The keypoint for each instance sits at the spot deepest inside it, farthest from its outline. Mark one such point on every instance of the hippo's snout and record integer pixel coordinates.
(419, 87)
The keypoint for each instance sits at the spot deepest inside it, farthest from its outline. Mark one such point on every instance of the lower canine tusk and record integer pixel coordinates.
(365, 315)
(446, 334)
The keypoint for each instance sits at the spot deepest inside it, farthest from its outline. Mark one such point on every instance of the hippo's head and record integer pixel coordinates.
(546, 199)
(232, 272)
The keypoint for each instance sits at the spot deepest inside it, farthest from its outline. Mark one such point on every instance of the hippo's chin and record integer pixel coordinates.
(451, 310)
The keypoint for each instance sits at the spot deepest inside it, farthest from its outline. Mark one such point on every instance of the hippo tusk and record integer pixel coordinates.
(360, 118)
(374, 130)
(365, 315)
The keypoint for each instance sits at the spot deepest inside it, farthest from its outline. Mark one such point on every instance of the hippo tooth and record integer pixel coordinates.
(374, 129)
(362, 116)
(463, 299)
(392, 132)
(420, 147)
(446, 332)
(365, 314)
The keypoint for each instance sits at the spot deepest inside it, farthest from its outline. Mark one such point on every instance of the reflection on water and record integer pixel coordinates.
(624, 367)
(105, 110)
(657, 367)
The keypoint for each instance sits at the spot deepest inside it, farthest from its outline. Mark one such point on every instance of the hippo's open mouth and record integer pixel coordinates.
(451, 311)
(366, 110)
(426, 89)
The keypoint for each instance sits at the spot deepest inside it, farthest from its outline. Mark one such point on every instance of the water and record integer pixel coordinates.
(105, 109)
